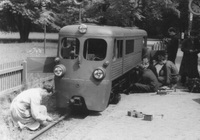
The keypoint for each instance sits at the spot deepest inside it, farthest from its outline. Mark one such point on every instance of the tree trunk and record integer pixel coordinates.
(24, 27)
(24, 34)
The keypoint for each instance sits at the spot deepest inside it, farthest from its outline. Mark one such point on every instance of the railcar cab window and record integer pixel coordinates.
(95, 49)
(129, 46)
(118, 47)
(70, 48)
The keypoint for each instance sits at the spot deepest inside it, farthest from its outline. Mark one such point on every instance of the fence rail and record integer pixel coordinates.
(13, 76)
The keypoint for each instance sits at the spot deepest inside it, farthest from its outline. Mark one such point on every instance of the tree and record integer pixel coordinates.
(112, 12)
(70, 11)
(155, 13)
(21, 15)
(154, 16)
(140, 13)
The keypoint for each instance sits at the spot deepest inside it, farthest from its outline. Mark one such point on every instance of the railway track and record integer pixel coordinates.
(72, 126)
(58, 128)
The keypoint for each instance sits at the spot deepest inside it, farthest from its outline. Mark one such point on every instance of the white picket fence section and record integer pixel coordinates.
(13, 77)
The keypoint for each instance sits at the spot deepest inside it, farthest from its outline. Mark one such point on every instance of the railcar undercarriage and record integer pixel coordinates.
(123, 84)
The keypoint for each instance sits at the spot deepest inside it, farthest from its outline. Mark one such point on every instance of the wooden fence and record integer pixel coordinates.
(13, 77)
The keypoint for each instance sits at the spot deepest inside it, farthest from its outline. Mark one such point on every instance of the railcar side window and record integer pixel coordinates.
(95, 49)
(118, 49)
(70, 48)
(129, 46)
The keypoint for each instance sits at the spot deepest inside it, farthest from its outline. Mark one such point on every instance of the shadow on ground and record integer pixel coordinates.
(197, 100)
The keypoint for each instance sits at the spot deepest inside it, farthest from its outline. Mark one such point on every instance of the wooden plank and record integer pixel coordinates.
(13, 76)
(8, 70)
(9, 76)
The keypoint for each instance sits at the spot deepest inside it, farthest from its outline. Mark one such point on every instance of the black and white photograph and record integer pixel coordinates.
(100, 69)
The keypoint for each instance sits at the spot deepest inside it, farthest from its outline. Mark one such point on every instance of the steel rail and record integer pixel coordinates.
(48, 127)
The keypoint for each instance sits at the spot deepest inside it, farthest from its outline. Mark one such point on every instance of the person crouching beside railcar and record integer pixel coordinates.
(168, 72)
(26, 109)
(148, 81)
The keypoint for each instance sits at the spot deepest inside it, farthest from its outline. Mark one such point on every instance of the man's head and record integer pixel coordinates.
(172, 31)
(145, 63)
(162, 58)
(48, 87)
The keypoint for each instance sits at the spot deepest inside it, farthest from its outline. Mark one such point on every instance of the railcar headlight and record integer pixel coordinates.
(59, 70)
(82, 28)
(99, 74)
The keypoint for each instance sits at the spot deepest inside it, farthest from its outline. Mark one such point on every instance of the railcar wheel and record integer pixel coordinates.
(78, 106)
(131, 77)
(79, 109)
(115, 98)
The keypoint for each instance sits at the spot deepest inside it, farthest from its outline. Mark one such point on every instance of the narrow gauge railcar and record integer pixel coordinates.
(94, 63)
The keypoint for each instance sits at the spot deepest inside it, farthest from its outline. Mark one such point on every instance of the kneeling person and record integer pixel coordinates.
(168, 75)
(26, 109)
(148, 81)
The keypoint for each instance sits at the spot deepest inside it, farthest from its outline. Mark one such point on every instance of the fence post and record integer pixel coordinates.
(24, 74)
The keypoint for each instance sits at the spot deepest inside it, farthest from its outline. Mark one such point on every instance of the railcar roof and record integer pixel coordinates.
(95, 30)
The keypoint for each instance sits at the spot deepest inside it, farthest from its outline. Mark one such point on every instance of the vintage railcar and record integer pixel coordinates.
(95, 63)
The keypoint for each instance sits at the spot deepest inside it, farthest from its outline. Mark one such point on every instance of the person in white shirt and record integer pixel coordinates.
(26, 109)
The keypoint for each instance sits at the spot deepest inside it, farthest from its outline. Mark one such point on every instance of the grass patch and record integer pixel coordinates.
(20, 51)
(8, 129)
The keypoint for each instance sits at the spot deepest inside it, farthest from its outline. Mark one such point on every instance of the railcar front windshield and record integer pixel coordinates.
(95, 49)
(70, 48)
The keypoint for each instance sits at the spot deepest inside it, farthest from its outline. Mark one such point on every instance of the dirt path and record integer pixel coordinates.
(180, 121)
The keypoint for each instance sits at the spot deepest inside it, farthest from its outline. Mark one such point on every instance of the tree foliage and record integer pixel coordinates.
(21, 15)
(155, 13)
(112, 12)
(155, 16)
(70, 12)
(123, 11)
